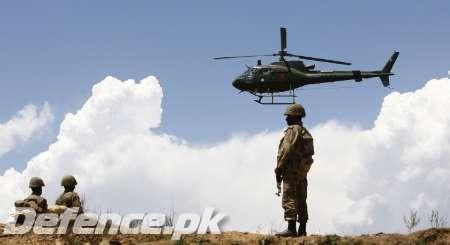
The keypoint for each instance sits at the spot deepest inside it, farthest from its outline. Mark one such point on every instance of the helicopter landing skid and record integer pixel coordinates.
(272, 96)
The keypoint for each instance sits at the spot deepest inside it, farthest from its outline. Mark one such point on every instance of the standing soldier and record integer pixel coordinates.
(293, 163)
(34, 201)
(69, 198)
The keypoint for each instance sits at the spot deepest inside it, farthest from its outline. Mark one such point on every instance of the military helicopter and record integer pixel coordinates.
(269, 81)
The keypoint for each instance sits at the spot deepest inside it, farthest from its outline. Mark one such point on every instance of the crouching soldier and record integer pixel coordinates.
(69, 198)
(34, 201)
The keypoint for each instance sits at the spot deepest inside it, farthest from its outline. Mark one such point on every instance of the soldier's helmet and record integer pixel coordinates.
(295, 110)
(68, 180)
(36, 182)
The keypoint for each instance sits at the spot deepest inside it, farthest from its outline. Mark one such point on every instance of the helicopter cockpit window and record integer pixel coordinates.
(252, 72)
(265, 70)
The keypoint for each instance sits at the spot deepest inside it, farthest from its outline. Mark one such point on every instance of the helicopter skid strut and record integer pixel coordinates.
(272, 96)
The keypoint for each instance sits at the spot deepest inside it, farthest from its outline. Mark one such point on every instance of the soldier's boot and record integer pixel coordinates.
(302, 228)
(291, 231)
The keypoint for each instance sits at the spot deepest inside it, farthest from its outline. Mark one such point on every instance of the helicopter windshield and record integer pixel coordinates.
(250, 73)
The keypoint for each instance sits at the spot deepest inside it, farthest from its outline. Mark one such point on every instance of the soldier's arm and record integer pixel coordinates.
(76, 202)
(308, 147)
(43, 206)
(32, 204)
(287, 147)
(19, 204)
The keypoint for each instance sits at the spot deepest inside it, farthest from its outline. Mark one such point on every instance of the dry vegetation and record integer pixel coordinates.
(430, 236)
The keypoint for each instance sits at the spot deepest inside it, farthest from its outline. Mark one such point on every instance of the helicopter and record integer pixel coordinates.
(270, 81)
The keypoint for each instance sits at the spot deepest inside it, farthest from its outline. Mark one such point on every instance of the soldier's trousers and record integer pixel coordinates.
(294, 197)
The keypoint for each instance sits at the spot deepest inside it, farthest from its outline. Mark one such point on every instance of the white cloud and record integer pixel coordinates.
(362, 180)
(405, 162)
(24, 125)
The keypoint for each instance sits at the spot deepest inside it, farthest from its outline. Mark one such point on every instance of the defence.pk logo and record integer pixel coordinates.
(91, 223)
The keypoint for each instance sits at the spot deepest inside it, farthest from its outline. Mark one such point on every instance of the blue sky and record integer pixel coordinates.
(56, 50)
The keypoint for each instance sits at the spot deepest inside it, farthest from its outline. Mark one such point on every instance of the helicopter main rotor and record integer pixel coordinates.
(283, 53)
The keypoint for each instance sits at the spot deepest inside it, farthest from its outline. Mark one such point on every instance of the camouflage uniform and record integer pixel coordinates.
(294, 161)
(38, 203)
(34, 201)
(70, 200)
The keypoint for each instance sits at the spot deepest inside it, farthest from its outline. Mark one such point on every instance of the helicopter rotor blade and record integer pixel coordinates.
(283, 38)
(242, 56)
(319, 59)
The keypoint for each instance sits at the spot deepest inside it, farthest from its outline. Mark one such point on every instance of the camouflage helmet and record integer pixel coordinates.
(68, 180)
(295, 110)
(36, 182)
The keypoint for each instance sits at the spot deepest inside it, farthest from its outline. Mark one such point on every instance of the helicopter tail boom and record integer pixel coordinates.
(386, 72)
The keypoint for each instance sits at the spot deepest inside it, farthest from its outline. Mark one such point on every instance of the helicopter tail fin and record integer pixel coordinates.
(386, 72)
